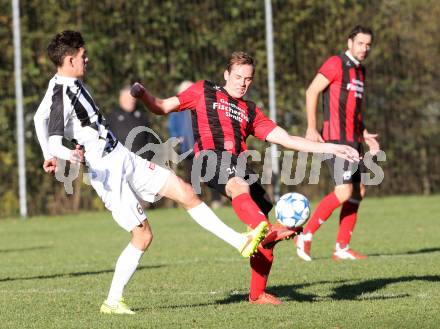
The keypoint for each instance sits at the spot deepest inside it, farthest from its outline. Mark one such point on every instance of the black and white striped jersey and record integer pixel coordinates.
(68, 110)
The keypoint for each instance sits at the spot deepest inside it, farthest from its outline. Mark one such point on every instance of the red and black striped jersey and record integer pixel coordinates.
(221, 122)
(342, 100)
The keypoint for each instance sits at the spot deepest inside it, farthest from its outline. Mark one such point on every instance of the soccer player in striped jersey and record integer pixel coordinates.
(341, 80)
(120, 177)
(222, 121)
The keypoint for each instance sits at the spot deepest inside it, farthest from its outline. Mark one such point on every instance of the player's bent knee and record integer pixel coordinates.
(142, 242)
(142, 237)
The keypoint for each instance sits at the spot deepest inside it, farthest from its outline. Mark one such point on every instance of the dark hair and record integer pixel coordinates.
(360, 29)
(240, 58)
(64, 44)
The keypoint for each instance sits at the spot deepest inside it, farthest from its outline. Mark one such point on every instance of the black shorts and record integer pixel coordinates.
(216, 168)
(344, 172)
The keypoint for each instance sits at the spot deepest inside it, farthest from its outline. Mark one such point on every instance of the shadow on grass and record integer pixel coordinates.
(74, 274)
(345, 291)
(284, 291)
(3, 251)
(414, 252)
(356, 290)
(359, 291)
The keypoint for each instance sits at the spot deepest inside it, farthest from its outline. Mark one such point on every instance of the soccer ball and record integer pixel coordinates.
(292, 210)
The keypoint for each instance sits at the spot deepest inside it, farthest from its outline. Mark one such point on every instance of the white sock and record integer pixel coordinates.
(124, 270)
(207, 219)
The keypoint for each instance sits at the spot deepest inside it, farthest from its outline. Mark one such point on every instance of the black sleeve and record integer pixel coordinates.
(56, 116)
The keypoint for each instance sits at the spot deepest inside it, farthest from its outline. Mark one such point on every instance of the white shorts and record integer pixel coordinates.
(122, 179)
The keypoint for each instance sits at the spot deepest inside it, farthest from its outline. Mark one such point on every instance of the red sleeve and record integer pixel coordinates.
(262, 125)
(331, 68)
(190, 97)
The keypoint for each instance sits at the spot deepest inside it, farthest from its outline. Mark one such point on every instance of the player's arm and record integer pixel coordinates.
(57, 148)
(319, 83)
(55, 130)
(41, 123)
(41, 128)
(156, 105)
(370, 139)
(279, 136)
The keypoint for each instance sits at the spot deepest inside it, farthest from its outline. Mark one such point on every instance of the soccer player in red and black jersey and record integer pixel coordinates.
(341, 80)
(222, 120)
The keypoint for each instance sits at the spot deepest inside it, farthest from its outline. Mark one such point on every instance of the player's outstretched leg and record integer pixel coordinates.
(176, 189)
(125, 268)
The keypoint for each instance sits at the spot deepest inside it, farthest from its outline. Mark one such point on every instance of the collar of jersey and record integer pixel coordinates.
(349, 55)
(70, 81)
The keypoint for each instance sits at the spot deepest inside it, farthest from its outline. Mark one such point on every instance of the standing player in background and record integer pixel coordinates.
(341, 79)
(222, 121)
(120, 177)
(126, 117)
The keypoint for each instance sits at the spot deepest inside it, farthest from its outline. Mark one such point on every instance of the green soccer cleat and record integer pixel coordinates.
(119, 308)
(254, 238)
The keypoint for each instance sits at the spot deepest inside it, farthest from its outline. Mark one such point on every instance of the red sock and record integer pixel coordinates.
(347, 221)
(261, 262)
(247, 210)
(322, 213)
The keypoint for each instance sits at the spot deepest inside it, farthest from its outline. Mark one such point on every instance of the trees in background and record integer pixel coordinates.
(164, 42)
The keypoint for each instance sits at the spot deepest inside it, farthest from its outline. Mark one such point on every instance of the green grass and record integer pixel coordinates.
(55, 272)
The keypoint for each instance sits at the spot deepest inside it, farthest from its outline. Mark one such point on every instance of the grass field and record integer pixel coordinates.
(55, 273)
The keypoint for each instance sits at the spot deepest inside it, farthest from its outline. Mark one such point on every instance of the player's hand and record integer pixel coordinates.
(49, 166)
(314, 135)
(346, 152)
(371, 141)
(77, 155)
(137, 90)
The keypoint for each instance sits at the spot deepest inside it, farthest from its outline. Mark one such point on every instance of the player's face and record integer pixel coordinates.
(79, 63)
(360, 46)
(238, 80)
